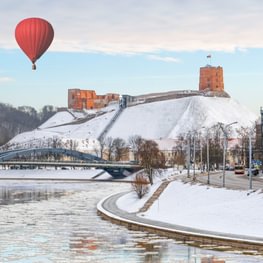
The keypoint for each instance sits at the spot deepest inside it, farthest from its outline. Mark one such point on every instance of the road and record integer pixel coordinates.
(232, 180)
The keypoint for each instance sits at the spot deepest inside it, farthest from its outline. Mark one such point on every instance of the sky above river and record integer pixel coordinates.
(133, 47)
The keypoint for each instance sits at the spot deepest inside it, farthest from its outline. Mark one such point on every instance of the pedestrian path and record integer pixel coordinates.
(108, 209)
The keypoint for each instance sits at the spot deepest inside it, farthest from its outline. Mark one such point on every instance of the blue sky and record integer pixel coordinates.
(133, 47)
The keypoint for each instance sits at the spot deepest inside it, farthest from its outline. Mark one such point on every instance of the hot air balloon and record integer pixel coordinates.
(34, 36)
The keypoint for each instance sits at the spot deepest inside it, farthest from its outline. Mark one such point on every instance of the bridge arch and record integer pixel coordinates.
(20, 153)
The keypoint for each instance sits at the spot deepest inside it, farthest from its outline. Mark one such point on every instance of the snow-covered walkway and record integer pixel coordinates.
(233, 212)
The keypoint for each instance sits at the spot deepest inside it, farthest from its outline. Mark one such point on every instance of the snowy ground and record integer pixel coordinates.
(202, 207)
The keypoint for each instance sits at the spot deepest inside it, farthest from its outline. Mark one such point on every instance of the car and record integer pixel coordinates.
(254, 171)
(239, 169)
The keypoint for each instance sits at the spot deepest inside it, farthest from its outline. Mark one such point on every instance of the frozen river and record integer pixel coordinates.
(57, 222)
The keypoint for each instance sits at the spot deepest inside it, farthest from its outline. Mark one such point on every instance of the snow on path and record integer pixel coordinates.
(202, 207)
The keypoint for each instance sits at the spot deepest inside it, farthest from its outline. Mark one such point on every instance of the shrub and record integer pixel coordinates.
(141, 185)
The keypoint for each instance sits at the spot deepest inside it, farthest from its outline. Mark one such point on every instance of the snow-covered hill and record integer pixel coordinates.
(157, 120)
(170, 118)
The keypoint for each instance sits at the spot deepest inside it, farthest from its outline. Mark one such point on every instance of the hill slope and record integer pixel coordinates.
(163, 119)
(169, 119)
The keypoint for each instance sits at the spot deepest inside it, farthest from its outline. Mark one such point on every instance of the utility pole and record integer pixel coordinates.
(207, 155)
(250, 161)
(188, 155)
(224, 129)
(224, 160)
(194, 177)
(201, 153)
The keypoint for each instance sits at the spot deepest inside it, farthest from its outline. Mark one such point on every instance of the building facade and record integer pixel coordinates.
(88, 99)
(211, 79)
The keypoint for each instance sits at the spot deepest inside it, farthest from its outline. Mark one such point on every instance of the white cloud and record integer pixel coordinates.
(132, 26)
(164, 59)
(5, 79)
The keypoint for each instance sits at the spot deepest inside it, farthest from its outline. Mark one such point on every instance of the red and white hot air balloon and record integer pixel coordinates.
(34, 36)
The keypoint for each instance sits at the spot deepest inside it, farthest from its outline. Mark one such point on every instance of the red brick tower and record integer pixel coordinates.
(211, 79)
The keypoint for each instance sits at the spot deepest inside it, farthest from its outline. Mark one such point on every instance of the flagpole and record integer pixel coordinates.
(210, 57)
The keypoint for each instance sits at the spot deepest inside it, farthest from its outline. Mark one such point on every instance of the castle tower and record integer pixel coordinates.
(211, 79)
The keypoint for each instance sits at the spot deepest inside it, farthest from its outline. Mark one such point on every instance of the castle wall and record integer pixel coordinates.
(88, 99)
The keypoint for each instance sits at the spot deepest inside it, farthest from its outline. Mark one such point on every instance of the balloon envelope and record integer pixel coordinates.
(34, 36)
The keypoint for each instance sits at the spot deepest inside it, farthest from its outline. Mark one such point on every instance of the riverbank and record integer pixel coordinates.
(204, 214)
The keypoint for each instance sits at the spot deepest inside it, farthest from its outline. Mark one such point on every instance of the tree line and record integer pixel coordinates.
(21, 119)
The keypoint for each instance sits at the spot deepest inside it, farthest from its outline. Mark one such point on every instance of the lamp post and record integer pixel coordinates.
(207, 154)
(208, 165)
(250, 161)
(250, 156)
(224, 129)
(190, 136)
(201, 152)
(188, 154)
(194, 177)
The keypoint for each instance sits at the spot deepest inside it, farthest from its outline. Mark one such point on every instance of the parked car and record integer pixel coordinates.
(239, 169)
(254, 171)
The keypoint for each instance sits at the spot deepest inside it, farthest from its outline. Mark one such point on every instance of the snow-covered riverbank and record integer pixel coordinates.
(203, 207)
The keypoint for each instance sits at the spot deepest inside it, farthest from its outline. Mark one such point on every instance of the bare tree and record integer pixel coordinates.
(109, 148)
(140, 185)
(215, 146)
(151, 158)
(236, 153)
(119, 148)
(56, 142)
(97, 150)
(135, 142)
(178, 153)
(243, 135)
(70, 144)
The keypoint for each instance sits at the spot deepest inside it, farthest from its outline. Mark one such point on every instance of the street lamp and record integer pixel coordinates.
(224, 129)
(201, 152)
(250, 156)
(191, 135)
(250, 160)
(194, 177)
(207, 154)
(188, 154)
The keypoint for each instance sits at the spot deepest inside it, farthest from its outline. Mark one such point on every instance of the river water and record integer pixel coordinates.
(57, 222)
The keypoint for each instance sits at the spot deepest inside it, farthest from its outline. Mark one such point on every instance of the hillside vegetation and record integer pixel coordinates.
(24, 118)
